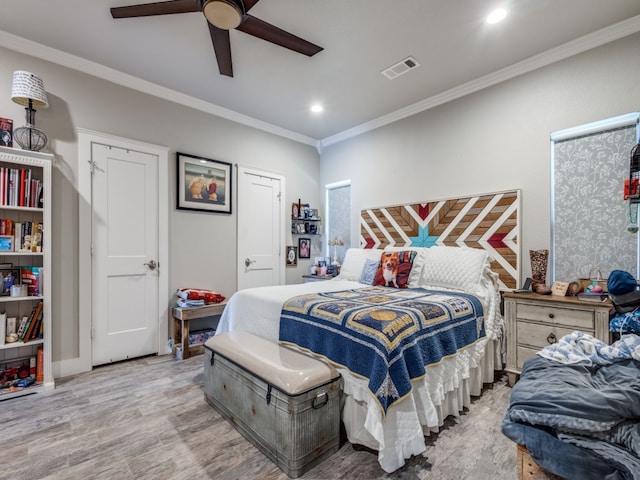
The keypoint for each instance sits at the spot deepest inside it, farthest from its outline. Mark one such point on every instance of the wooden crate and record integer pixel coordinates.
(181, 317)
(528, 469)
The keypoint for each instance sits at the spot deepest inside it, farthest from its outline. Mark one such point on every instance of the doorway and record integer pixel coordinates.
(126, 158)
(260, 228)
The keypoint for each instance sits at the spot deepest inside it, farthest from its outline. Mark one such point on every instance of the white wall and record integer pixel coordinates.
(496, 139)
(202, 245)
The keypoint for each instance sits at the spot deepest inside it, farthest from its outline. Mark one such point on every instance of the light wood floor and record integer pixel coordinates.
(147, 419)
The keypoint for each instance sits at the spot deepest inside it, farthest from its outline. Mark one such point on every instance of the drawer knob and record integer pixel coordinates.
(551, 339)
(551, 315)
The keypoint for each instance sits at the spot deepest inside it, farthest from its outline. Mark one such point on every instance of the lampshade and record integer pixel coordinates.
(224, 14)
(27, 86)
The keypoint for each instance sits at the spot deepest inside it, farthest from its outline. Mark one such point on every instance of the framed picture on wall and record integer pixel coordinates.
(292, 256)
(203, 184)
(304, 247)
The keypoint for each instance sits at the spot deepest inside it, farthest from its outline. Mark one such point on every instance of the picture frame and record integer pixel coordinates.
(6, 243)
(295, 210)
(291, 256)
(304, 247)
(203, 184)
(6, 132)
(5, 284)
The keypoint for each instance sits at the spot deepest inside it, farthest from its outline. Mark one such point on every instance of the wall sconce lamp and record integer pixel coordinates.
(28, 90)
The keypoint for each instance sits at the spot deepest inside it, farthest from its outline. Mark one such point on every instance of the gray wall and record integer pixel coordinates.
(496, 139)
(77, 100)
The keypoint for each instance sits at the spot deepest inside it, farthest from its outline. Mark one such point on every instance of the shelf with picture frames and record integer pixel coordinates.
(305, 220)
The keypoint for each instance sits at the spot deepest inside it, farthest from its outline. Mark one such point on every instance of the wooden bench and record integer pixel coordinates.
(528, 469)
(181, 317)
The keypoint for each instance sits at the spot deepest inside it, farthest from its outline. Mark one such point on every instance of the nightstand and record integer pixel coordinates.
(534, 321)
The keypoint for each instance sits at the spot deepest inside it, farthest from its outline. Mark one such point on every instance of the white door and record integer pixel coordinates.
(125, 254)
(260, 228)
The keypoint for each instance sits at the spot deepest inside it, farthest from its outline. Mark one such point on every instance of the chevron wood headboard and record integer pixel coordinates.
(489, 222)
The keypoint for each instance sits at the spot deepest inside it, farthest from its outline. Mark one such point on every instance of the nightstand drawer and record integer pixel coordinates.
(539, 336)
(571, 318)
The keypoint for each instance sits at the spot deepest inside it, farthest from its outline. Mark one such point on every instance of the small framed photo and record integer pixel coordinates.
(203, 184)
(304, 247)
(295, 210)
(6, 132)
(300, 228)
(292, 256)
(8, 278)
(6, 243)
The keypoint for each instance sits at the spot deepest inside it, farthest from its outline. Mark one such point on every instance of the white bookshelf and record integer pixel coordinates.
(40, 166)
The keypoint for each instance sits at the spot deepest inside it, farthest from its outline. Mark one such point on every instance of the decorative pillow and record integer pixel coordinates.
(369, 271)
(418, 263)
(199, 294)
(354, 261)
(462, 268)
(394, 269)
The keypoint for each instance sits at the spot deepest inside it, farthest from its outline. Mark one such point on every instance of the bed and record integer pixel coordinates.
(576, 408)
(394, 424)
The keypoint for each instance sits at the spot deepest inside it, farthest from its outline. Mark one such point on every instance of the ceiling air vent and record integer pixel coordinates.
(399, 68)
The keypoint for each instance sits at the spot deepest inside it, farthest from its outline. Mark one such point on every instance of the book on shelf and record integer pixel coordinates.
(34, 319)
(37, 327)
(31, 277)
(22, 326)
(592, 297)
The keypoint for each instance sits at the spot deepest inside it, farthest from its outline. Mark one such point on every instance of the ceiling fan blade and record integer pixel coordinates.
(157, 8)
(261, 29)
(222, 47)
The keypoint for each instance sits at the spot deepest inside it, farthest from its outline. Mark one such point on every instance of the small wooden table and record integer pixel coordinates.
(181, 317)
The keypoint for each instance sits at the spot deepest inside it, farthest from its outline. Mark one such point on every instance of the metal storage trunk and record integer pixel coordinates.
(284, 402)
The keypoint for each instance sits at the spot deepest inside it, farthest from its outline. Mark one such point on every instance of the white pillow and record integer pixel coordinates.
(461, 268)
(418, 263)
(354, 261)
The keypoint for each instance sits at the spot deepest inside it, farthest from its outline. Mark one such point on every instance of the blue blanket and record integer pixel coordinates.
(580, 419)
(385, 335)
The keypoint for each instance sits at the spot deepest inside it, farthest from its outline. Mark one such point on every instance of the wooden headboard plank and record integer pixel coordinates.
(488, 221)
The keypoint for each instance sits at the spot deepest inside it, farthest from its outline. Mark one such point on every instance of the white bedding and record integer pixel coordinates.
(446, 389)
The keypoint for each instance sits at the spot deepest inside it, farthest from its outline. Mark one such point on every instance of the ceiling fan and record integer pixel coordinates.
(222, 16)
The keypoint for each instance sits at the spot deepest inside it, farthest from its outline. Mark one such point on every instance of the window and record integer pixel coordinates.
(338, 221)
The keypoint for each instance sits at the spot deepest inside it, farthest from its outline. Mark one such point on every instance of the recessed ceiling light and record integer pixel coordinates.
(497, 15)
(317, 108)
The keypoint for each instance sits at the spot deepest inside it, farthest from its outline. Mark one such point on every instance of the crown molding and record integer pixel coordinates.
(579, 45)
(34, 49)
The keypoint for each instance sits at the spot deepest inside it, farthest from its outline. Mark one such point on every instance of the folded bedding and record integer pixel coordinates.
(576, 407)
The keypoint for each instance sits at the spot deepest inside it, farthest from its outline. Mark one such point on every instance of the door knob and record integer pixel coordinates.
(248, 261)
(151, 264)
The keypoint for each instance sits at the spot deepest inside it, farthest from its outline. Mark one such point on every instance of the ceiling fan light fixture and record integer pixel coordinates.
(224, 14)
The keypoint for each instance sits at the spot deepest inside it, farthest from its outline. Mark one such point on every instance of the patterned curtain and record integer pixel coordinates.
(590, 216)
(339, 219)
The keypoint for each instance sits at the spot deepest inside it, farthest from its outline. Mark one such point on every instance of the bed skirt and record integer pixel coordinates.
(446, 390)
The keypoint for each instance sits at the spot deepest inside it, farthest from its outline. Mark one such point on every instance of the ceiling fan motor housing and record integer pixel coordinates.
(224, 14)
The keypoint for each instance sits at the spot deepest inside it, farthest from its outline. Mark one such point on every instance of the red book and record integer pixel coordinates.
(21, 188)
(40, 366)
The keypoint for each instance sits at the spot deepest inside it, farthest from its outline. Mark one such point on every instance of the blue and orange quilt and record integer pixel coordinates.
(385, 335)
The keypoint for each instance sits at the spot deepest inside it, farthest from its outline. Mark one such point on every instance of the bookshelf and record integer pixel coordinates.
(29, 207)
